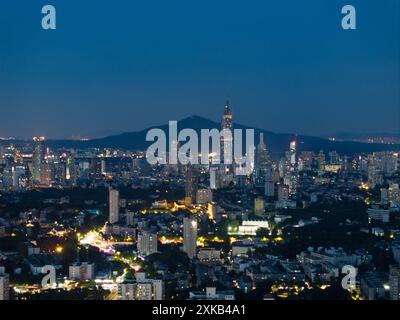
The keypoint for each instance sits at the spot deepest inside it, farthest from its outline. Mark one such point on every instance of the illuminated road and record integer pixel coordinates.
(113, 295)
(94, 239)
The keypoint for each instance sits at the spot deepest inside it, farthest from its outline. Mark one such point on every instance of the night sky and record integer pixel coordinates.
(123, 65)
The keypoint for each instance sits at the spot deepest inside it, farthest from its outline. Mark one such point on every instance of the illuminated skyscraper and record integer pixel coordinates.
(293, 159)
(191, 185)
(190, 236)
(227, 125)
(262, 161)
(293, 182)
(114, 205)
(321, 160)
(38, 157)
(293, 174)
(269, 185)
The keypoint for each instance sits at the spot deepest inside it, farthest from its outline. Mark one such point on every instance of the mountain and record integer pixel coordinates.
(277, 143)
(359, 136)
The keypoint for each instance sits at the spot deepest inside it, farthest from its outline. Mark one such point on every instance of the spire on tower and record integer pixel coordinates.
(261, 137)
(227, 109)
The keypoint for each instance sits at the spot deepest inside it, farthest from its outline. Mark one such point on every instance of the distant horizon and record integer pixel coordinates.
(95, 136)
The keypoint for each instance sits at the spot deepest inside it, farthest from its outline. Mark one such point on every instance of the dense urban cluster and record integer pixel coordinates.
(115, 227)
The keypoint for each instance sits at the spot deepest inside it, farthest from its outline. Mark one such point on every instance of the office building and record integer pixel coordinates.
(190, 236)
(259, 206)
(191, 185)
(147, 243)
(141, 289)
(204, 196)
(38, 158)
(113, 205)
(81, 271)
(379, 214)
(4, 286)
(394, 282)
(262, 162)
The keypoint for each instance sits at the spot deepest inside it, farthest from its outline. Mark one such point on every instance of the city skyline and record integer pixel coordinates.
(185, 153)
(109, 224)
(344, 135)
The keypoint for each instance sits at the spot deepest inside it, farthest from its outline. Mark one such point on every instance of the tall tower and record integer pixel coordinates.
(269, 185)
(226, 124)
(293, 173)
(191, 185)
(190, 236)
(321, 160)
(263, 161)
(147, 243)
(38, 157)
(293, 149)
(394, 282)
(114, 205)
(4, 286)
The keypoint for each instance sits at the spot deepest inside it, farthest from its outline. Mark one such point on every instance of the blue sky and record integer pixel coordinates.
(122, 65)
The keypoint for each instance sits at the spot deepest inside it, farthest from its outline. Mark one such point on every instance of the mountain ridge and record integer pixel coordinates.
(277, 143)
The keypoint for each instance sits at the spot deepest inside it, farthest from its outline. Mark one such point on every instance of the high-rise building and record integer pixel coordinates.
(4, 286)
(396, 250)
(191, 185)
(263, 162)
(38, 157)
(378, 213)
(293, 182)
(71, 173)
(129, 218)
(204, 196)
(141, 289)
(7, 179)
(321, 160)
(190, 236)
(291, 175)
(293, 157)
(103, 167)
(114, 205)
(394, 282)
(46, 173)
(212, 210)
(269, 185)
(394, 194)
(283, 193)
(384, 196)
(60, 171)
(226, 141)
(375, 176)
(2, 231)
(147, 243)
(81, 272)
(259, 206)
